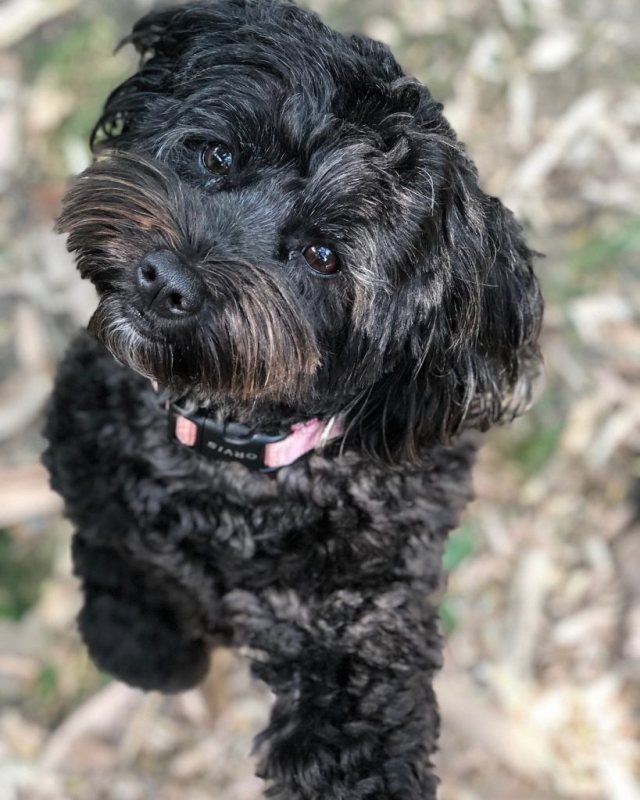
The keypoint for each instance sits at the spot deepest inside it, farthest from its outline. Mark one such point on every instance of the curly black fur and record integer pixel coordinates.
(325, 571)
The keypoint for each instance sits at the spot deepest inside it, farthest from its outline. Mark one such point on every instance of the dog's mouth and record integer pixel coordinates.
(146, 326)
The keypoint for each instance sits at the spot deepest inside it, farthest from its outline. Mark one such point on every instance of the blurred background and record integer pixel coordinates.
(540, 695)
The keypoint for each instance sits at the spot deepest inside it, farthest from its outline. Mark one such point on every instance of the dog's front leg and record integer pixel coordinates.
(355, 716)
(138, 624)
(143, 617)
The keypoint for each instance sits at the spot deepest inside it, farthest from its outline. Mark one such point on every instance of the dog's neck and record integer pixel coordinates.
(209, 432)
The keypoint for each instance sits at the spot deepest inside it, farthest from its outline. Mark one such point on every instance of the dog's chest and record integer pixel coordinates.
(325, 521)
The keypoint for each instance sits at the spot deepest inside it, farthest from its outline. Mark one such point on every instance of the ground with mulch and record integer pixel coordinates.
(540, 695)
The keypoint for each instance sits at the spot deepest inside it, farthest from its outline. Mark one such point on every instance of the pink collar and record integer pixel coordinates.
(233, 442)
(304, 437)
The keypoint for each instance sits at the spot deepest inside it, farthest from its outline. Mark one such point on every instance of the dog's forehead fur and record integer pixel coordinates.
(272, 41)
(295, 98)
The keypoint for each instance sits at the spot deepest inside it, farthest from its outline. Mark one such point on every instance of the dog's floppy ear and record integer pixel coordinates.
(472, 354)
(157, 45)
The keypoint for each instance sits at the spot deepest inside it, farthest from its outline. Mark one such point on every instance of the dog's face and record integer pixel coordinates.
(279, 218)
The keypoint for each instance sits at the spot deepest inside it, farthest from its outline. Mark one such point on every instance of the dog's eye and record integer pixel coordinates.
(321, 259)
(217, 158)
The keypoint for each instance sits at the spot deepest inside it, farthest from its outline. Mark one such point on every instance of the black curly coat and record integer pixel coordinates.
(423, 329)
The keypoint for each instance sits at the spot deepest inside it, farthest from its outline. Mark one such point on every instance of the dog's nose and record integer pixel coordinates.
(168, 287)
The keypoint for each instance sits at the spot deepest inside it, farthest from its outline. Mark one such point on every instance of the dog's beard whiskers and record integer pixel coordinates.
(254, 347)
(111, 326)
(265, 348)
(117, 335)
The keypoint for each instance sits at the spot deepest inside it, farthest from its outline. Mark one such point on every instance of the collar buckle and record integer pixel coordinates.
(221, 441)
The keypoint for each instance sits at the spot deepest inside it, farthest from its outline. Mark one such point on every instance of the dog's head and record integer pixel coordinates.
(279, 218)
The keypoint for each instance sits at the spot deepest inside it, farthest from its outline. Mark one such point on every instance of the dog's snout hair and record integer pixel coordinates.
(115, 210)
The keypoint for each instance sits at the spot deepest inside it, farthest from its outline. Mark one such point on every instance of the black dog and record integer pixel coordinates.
(288, 239)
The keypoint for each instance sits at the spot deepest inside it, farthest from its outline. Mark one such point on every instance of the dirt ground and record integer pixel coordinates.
(540, 695)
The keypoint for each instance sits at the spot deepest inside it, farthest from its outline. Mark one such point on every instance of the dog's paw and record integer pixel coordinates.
(142, 647)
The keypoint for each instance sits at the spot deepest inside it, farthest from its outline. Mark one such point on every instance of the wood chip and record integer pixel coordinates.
(104, 715)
